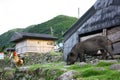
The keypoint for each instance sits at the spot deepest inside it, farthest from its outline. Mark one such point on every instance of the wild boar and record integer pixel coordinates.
(90, 47)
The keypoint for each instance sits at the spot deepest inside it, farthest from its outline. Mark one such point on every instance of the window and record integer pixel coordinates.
(38, 42)
(49, 43)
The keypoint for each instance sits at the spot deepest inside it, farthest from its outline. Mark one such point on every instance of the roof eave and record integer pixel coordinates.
(24, 38)
(79, 23)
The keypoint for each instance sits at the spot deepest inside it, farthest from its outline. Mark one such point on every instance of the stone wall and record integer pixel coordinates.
(33, 58)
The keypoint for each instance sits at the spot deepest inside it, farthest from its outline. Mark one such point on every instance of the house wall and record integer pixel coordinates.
(114, 35)
(21, 47)
(68, 44)
(40, 46)
(37, 46)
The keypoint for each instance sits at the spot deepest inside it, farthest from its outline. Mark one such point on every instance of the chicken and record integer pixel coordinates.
(16, 60)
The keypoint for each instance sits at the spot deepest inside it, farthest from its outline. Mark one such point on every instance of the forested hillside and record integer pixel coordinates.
(56, 26)
(5, 38)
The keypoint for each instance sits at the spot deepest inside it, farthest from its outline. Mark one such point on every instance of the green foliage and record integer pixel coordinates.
(114, 76)
(55, 53)
(77, 67)
(92, 72)
(99, 75)
(59, 25)
(5, 39)
(85, 72)
(50, 71)
(103, 64)
(51, 74)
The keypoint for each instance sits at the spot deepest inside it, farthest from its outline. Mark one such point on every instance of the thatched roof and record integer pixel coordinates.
(18, 36)
(103, 14)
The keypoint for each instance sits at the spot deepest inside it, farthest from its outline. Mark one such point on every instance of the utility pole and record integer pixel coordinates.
(51, 31)
(62, 32)
(78, 13)
(104, 33)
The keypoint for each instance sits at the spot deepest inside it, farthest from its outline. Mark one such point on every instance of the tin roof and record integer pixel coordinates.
(103, 14)
(18, 36)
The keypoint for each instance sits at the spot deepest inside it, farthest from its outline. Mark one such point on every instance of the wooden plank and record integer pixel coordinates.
(104, 33)
(113, 30)
(89, 36)
(115, 37)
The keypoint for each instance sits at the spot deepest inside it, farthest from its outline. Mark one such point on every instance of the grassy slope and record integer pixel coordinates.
(52, 70)
(5, 37)
(86, 72)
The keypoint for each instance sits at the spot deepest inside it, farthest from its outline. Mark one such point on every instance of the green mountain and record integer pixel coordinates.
(5, 38)
(56, 26)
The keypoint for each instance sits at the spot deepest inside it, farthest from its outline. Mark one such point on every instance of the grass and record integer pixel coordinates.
(54, 65)
(76, 67)
(49, 70)
(103, 64)
(108, 75)
(55, 53)
(86, 72)
(91, 73)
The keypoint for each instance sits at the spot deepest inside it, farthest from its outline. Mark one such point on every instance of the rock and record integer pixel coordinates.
(10, 77)
(82, 64)
(109, 61)
(8, 74)
(67, 75)
(39, 71)
(115, 67)
(95, 61)
(36, 58)
(7, 69)
(41, 79)
(33, 58)
(1, 71)
(23, 69)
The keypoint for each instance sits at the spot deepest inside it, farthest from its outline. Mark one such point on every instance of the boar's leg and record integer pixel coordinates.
(109, 52)
(104, 54)
(82, 57)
